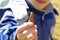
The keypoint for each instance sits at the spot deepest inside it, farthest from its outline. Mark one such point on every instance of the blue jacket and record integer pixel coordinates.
(44, 19)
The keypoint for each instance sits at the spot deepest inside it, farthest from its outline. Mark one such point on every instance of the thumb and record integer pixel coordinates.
(31, 18)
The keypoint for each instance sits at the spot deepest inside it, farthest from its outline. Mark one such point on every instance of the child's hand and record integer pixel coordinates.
(27, 31)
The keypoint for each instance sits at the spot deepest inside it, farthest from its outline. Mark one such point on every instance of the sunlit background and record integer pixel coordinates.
(56, 32)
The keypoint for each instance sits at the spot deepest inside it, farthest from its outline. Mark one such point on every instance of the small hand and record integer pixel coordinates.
(27, 31)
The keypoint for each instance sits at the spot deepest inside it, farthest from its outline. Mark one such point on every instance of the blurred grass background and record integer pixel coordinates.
(56, 32)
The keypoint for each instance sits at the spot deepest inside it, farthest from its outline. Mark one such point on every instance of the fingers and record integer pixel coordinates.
(29, 34)
(32, 35)
(24, 26)
(27, 31)
(31, 19)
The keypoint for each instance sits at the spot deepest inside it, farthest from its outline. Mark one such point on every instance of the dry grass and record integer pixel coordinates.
(56, 32)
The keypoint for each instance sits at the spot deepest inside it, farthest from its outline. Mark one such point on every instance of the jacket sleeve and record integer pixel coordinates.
(7, 26)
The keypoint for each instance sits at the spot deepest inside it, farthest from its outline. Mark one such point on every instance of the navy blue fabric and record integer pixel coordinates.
(31, 8)
(43, 26)
(2, 12)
